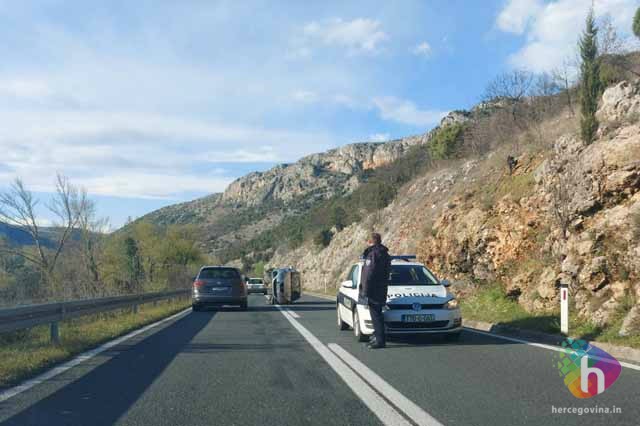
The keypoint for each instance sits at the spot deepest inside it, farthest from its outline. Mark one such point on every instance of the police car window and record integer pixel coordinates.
(350, 274)
(411, 275)
(355, 275)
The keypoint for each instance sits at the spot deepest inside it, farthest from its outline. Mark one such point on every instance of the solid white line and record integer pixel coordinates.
(293, 314)
(9, 393)
(413, 411)
(381, 408)
(542, 345)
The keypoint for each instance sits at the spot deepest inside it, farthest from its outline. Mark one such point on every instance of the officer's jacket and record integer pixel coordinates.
(375, 273)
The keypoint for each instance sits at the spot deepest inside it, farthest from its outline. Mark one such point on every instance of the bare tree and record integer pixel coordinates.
(545, 85)
(18, 208)
(612, 48)
(90, 229)
(510, 87)
(559, 185)
(564, 77)
(609, 42)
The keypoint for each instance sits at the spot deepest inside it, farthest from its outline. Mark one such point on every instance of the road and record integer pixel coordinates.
(291, 366)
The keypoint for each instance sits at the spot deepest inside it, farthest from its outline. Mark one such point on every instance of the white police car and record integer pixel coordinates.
(417, 302)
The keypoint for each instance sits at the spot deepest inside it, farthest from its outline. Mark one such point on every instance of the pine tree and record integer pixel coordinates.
(590, 87)
(636, 23)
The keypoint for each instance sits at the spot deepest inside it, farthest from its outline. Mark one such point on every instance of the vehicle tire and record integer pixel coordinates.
(356, 328)
(341, 324)
(244, 306)
(196, 308)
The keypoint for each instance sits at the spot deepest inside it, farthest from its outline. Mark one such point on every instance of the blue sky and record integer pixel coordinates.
(149, 103)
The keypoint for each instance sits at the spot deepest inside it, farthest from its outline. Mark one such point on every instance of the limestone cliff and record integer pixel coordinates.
(568, 213)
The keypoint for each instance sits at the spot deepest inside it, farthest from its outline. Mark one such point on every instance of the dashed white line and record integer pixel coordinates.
(387, 414)
(413, 411)
(9, 393)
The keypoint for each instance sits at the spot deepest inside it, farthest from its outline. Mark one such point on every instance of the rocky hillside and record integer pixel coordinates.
(260, 200)
(568, 213)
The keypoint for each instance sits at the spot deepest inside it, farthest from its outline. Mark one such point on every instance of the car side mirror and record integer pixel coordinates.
(445, 283)
(348, 284)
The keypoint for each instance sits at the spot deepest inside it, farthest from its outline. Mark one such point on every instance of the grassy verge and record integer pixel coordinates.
(27, 352)
(491, 305)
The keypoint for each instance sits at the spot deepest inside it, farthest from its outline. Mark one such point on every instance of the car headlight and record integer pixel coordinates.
(452, 304)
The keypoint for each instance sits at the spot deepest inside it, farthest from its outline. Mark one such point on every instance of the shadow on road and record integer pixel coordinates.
(105, 393)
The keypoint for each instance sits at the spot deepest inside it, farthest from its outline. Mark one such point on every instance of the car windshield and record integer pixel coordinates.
(216, 273)
(411, 275)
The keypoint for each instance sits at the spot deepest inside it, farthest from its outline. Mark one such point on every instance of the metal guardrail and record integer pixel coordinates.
(28, 316)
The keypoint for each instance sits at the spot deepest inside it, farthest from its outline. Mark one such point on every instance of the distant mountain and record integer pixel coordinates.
(259, 201)
(18, 237)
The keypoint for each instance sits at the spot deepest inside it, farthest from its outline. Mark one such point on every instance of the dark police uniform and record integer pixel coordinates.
(373, 290)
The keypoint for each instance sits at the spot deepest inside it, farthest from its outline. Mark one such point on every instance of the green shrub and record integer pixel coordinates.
(610, 74)
(446, 142)
(323, 238)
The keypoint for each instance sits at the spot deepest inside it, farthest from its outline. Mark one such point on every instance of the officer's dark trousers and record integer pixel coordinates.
(377, 317)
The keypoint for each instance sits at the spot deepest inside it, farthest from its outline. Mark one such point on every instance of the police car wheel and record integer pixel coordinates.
(356, 328)
(341, 324)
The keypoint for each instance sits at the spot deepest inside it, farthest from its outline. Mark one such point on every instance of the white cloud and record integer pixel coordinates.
(422, 49)
(304, 96)
(154, 185)
(24, 88)
(357, 35)
(517, 14)
(379, 137)
(137, 154)
(406, 112)
(551, 30)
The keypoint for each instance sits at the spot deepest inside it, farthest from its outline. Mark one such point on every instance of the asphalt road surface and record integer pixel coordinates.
(291, 366)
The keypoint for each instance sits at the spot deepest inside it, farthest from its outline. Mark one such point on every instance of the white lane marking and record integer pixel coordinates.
(381, 408)
(293, 314)
(47, 375)
(542, 345)
(413, 411)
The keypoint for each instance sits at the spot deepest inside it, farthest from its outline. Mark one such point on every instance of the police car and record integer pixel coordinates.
(417, 302)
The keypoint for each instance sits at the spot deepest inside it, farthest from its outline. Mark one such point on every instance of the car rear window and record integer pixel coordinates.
(255, 281)
(217, 273)
(411, 275)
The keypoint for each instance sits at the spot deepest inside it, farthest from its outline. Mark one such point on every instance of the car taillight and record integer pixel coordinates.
(198, 283)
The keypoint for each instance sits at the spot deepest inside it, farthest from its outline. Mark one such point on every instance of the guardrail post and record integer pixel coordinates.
(55, 333)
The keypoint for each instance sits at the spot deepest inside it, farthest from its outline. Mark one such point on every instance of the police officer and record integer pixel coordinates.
(373, 290)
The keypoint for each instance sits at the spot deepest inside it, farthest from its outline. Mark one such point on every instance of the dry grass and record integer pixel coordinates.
(25, 353)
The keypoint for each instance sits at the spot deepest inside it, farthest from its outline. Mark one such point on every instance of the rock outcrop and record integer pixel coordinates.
(569, 214)
(319, 175)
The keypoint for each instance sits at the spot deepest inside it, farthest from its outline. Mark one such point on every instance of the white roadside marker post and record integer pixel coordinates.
(564, 309)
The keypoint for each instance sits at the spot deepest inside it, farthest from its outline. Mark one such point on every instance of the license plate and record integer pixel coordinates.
(418, 318)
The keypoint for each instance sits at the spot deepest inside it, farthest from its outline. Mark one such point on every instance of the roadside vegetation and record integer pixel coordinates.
(491, 304)
(25, 353)
(77, 259)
